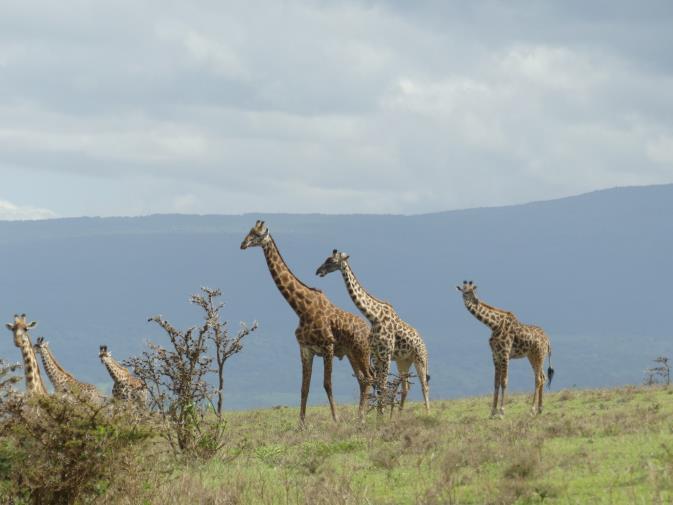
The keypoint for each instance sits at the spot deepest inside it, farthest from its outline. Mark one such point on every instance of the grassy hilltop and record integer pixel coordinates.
(594, 446)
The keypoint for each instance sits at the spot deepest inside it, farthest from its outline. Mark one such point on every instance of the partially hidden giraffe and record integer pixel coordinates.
(125, 385)
(64, 382)
(510, 339)
(391, 338)
(31, 370)
(324, 329)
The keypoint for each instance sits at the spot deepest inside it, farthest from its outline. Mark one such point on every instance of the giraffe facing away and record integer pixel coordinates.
(31, 370)
(390, 338)
(510, 339)
(324, 329)
(125, 386)
(63, 381)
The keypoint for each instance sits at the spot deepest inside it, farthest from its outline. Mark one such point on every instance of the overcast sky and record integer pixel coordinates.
(131, 107)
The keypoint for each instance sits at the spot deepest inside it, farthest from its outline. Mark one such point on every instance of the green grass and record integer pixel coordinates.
(594, 447)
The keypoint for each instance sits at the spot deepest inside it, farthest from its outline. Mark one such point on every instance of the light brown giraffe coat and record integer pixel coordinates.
(31, 370)
(390, 338)
(510, 339)
(63, 382)
(324, 329)
(125, 386)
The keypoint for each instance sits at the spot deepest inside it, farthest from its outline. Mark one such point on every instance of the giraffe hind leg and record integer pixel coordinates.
(327, 383)
(422, 371)
(403, 371)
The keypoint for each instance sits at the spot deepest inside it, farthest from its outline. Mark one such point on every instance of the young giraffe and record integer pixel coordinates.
(126, 386)
(31, 370)
(510, 339)
(63, 381)
(324, 329)
(390, 337)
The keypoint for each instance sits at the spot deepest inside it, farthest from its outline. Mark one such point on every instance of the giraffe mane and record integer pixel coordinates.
(60, 368)
(280, 255)
(383, 302)
(495, 309)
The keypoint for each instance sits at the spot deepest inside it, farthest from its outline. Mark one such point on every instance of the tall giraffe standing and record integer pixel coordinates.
(125, 386)
(324, 329)
(31, 370)
(510, 339)
(390, 338)
(63, 381)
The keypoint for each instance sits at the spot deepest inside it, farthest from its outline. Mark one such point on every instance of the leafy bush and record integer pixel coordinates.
(58, 451)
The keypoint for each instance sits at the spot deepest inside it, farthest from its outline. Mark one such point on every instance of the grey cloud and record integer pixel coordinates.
(333, 107)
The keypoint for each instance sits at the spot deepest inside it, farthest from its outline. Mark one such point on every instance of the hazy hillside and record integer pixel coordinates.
(594, 270)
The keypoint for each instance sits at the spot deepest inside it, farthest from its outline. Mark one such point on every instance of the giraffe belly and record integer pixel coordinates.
(316, 350)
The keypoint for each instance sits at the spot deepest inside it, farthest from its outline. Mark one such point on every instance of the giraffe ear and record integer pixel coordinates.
(9, 327)
(32, 325)
(346, 256)
(459, 289)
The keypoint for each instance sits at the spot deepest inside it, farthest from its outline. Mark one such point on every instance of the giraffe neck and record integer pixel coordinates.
(490, 316)
(368, 305)
(293, 290)
(34, 384)
(57, 375)
(116, 371)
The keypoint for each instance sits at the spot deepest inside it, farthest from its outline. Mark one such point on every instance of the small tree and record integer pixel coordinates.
(178, 377)
(391, 397)
(661, 373)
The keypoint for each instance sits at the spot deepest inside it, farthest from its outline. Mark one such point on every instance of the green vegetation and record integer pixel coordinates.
(596, 446)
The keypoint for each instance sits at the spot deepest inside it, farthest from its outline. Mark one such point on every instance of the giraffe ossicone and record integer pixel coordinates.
(125, 386)
(63, 381)
(391, 338)
(31, 370)
(324, 330)
(510, 339)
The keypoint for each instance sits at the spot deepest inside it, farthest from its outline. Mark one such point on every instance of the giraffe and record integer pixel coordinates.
(390, 337)
(63, 381)
(31, 370)
(324, 329)
(510, 339)
(126, 386)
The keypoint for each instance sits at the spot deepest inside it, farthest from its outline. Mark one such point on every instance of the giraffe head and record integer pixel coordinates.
(258, 236)
(469, 290)
(333, 263)
(20, 329)
(40, 344)
(103, 352)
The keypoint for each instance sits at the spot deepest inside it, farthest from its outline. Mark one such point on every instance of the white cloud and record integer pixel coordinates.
(330, 107)
(12, 212)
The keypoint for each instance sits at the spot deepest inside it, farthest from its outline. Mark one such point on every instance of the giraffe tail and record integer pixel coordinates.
(550, 369)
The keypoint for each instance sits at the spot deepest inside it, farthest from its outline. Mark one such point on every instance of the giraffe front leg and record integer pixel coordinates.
(503, 386)
(382, 372)
(496, 390)
(306, 371)
(327, 382)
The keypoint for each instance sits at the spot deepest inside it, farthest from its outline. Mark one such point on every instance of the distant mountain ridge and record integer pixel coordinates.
(594, 270)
